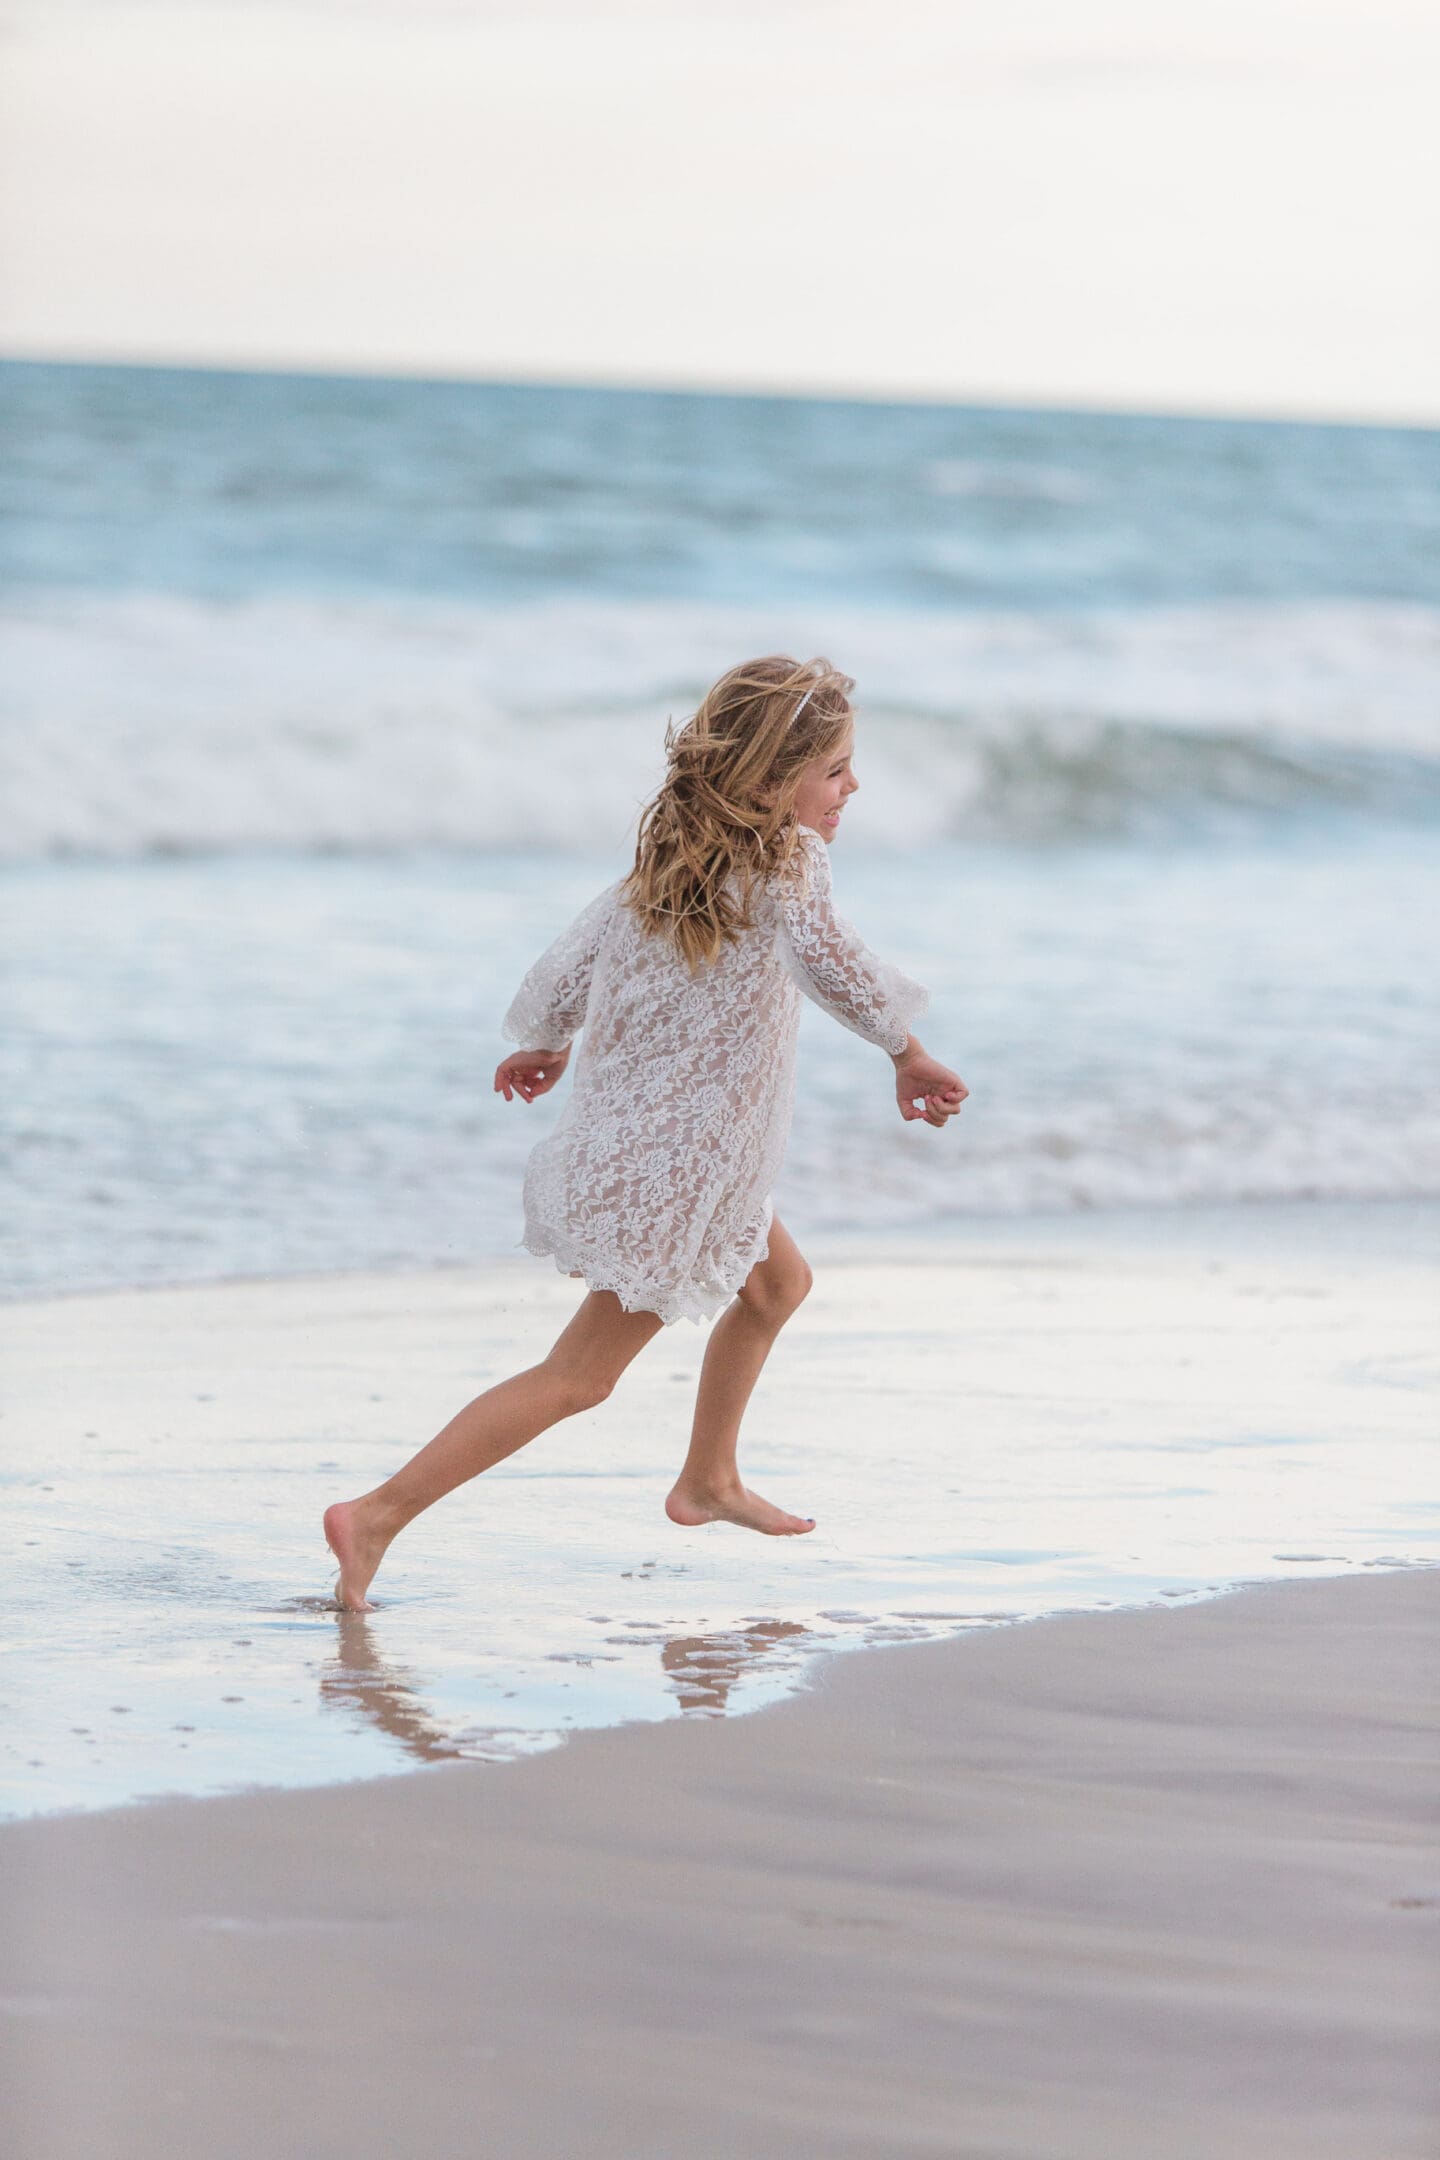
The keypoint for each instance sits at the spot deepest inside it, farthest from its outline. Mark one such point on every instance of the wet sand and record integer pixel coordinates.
(1046, 1418)
(1097, 1887)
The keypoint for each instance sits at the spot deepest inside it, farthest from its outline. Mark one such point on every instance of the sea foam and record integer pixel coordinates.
(139, 724)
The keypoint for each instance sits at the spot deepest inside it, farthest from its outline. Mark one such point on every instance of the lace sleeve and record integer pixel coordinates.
(548, 1009)
(830, 963)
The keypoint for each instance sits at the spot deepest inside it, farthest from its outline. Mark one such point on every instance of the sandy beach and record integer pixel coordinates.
(1041, 1417)
(1058, 1882)
(1095, 1887)
(389, 481)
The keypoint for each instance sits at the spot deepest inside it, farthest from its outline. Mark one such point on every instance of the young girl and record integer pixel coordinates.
(654, 1186)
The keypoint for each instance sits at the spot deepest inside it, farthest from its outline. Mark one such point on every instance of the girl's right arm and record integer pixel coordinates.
(548, 1010)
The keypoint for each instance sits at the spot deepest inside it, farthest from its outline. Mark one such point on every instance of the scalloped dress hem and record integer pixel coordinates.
(686, 1302)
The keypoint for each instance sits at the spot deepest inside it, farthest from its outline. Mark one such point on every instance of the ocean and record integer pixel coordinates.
(326, 702)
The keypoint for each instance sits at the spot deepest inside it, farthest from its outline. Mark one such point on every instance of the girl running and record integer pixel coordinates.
(654, 1188)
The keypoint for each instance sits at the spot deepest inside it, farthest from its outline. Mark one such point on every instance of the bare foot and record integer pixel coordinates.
(358, 1547)
(690, 1505)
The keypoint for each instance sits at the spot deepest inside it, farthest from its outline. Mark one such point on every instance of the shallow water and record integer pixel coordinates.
(261, 1064)
(1058, 1417)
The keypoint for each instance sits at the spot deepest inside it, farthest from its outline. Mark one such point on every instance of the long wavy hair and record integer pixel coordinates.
(723, 820)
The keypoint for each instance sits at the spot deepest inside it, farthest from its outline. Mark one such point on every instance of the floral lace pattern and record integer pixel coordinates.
(656, 1181)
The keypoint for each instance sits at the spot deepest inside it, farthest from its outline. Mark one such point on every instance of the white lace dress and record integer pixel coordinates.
(656, 1181)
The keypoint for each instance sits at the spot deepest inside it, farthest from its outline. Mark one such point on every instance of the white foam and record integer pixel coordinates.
(149, 723)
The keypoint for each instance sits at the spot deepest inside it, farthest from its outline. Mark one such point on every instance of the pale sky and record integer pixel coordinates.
(1120, 203)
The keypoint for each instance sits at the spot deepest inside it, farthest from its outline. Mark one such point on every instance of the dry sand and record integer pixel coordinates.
(1153, 1883)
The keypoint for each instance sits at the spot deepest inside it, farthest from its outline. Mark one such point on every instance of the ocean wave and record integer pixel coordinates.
(145, 724)
(1185, 1154)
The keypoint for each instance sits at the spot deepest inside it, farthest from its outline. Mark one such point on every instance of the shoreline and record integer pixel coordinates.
(1028, 1425)
(1118, 1883)
(1389, 1227)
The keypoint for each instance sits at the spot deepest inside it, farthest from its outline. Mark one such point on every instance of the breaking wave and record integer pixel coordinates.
(138, 724)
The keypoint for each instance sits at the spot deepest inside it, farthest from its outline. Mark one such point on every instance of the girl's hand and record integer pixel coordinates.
(924, 1088)
(528, 1073)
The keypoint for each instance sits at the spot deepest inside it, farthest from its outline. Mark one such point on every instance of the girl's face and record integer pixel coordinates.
(826, 785)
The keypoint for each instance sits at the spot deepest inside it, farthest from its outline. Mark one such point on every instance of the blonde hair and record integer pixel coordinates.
(725, 813)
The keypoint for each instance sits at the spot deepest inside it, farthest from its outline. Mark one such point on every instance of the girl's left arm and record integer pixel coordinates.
(829, 961)
(548, 1010)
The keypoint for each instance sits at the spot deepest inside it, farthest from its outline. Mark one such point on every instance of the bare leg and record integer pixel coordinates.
(581, 1369)
(708, 1488)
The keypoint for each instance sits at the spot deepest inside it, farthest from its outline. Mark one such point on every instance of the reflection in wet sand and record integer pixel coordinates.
(359, 1678)
(704, 1668)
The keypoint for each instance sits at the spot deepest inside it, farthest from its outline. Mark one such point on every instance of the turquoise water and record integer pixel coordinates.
(228, 485)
